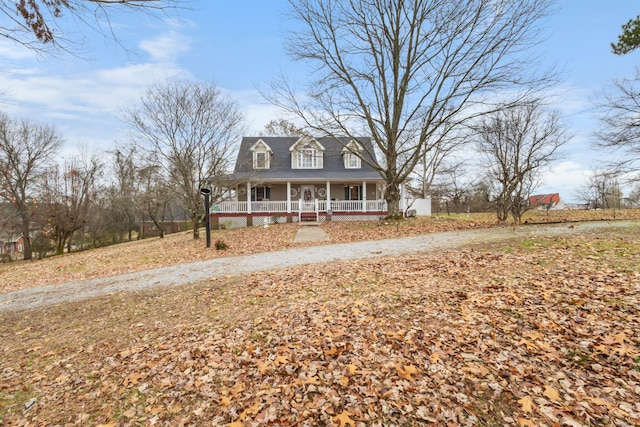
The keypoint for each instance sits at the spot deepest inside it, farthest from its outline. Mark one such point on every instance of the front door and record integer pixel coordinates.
(307, 194)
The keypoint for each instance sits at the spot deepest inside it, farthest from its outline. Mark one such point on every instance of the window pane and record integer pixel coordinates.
(307, 158)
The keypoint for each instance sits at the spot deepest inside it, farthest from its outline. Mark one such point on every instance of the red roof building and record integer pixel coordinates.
(544, 201)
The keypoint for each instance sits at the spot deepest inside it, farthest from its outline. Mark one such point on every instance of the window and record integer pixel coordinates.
(260, 193)
(306, 153)
(307, 158)
(261, 155)
(260, 160)
(351, 161)
(351, 155)
(353, 192)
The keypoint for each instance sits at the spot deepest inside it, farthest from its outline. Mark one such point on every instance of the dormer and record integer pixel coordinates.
(307, 153)
(352, 155)
(261, 155)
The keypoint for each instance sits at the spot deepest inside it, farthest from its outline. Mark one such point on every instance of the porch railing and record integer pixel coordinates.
(297, 205)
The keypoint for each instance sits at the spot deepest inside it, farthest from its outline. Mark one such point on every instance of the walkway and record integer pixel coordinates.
(310, 233)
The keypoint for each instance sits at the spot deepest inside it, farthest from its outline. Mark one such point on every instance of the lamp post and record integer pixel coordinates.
(205, 190)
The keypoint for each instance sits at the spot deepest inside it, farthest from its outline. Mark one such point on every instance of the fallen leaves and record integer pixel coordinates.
(552, 394)
(499, 336)
(406, 372)
(344, 419)
(527, 404)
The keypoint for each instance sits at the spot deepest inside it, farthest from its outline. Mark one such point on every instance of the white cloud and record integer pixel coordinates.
(565, 178)
(166, 47)
(83, 106)
(570, 100)
(15, 52)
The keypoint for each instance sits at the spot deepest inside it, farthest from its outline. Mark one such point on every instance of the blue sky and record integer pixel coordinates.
(238, 45)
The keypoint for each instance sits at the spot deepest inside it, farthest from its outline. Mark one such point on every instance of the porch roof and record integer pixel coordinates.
(280, 162)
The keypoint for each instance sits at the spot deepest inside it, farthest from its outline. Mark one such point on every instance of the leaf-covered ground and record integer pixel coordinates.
(533, 333)
(180, 248)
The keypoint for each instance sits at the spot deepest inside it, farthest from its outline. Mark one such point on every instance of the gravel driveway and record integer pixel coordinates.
(202, 270)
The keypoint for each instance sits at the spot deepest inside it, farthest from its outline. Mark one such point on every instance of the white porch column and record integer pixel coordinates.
(248, 197)
(328, 195)
(364, 196)
(288, 196)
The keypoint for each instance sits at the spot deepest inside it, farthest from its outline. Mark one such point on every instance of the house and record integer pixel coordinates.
(14, 245)
(544, 201)
(278, 179)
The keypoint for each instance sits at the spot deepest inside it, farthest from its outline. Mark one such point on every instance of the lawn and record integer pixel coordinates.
(539, 332)
(180, 247)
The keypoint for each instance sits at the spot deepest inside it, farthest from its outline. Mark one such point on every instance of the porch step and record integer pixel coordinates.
(308, 216)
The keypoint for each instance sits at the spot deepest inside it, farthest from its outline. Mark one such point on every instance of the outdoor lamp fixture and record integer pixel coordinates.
(205, 190)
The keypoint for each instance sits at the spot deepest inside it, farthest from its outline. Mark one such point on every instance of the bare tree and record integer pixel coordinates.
(633, 199)
(515, 144)
(99, 224)
(619, 130)
(457, 188)
(437, 160)
(25, 148)
(602, 189)
(480, 199)
(38, 23)
(154, 197)
(68, 194)
(402, 71)
(122, 193)
(282, 127)
(190, 130)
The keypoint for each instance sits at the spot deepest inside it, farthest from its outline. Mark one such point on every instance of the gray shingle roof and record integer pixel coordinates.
(280, 167)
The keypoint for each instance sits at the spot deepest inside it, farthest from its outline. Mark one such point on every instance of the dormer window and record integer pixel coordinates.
(261, 155)
(351, 161)
(351, 156)
(308, 158)
(260, 160)
(307, 153)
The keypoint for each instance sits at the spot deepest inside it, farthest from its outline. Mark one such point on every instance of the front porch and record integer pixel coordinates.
(258, 203)
(233, 214)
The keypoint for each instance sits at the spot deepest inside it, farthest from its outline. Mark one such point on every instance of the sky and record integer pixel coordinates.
(239, 46)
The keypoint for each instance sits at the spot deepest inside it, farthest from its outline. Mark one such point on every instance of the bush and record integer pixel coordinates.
(220, 245)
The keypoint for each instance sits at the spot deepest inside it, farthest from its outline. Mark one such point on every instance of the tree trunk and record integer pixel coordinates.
(60, 244)
(503, 206)
(159, 226)
(502, 213)
(195, 222)
(26, 231)
(392, 196)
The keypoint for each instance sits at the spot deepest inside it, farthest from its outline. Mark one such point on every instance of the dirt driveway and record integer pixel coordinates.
(205, 270)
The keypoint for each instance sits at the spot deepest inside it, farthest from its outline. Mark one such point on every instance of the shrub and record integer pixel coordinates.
(220, 245)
